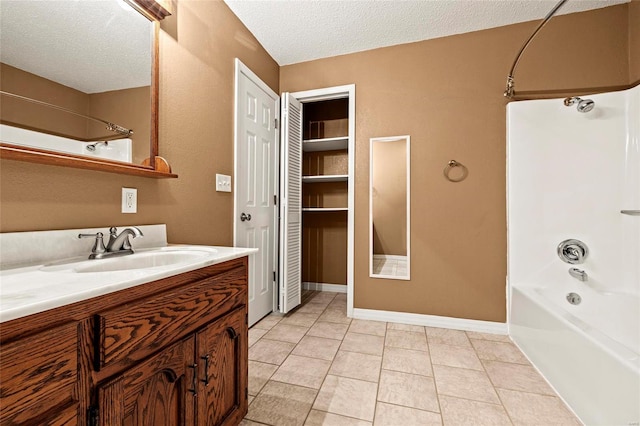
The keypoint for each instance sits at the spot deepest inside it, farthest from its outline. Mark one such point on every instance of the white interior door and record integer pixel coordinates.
(255, 185)
(291, 205)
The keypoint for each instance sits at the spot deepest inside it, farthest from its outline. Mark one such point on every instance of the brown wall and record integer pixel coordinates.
(31, 116)
(389, 184)
(447, 94)
(197, 47)
(130, 108)
(634, 41)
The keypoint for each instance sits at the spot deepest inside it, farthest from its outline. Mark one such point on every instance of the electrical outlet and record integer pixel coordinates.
(129, 200)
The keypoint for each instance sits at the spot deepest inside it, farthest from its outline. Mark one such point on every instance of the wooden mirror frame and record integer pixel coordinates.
(155, 169)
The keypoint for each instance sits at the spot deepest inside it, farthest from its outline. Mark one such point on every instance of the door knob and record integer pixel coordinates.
(245, 216)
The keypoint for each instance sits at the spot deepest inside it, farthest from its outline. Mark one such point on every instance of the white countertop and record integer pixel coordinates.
(37, 288)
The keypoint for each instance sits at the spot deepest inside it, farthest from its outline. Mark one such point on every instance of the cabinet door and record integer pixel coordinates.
(222, 370)
(38, 378)
(154, 392)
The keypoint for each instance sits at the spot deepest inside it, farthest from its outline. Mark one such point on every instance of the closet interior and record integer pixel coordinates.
(325, 190)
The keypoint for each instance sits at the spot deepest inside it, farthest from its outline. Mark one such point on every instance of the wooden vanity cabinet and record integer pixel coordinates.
(169, 352)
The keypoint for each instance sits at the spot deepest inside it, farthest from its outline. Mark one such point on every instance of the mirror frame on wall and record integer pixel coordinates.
(407, 140)
(149, 9)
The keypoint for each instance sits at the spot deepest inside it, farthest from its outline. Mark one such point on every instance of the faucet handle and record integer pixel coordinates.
(98, 246)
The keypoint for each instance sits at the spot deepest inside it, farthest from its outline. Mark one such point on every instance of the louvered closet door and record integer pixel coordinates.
(291, 205)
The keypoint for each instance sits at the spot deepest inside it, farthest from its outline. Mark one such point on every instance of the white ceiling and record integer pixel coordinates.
(295, 31)
(90, 45)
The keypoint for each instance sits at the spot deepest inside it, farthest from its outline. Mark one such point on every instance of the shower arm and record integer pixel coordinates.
(121, 131)
(509, 92)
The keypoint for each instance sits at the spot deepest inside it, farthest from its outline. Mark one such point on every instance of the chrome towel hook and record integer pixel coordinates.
(450, 166)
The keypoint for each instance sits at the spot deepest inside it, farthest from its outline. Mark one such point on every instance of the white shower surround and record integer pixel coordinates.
(118, 149)
(569, 176)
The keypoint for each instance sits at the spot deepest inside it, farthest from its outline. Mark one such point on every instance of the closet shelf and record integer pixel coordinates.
(325, 209)
(325, 178)
(326, 144)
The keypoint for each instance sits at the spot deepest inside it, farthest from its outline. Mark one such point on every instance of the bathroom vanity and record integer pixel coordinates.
(168, 351)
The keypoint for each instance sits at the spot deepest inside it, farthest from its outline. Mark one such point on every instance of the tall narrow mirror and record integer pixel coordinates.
(389, 199)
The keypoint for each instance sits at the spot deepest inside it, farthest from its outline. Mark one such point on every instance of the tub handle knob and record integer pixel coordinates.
(573, 251)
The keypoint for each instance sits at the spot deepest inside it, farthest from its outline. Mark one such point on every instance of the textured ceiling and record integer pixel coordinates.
(92, 46)
(295, 31)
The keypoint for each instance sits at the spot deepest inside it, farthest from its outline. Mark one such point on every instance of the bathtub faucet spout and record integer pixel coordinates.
(578, 274)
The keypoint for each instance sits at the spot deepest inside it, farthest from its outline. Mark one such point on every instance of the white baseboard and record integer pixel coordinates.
(335, 288)
(432, 321)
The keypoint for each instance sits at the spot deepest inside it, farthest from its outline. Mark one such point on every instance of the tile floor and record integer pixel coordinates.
(392, 267)
(315, 366)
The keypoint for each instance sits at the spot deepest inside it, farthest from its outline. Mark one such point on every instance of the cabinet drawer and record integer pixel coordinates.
(130, 332)
(38, 368)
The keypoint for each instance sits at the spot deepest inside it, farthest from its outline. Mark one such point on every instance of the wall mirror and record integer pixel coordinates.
(389, 208)
(69, 70)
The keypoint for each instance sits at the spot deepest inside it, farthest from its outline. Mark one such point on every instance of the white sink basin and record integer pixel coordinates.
(141, 260)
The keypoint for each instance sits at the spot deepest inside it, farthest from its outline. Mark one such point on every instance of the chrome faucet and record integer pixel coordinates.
(121, 242)
(578, 274)
(119, 245)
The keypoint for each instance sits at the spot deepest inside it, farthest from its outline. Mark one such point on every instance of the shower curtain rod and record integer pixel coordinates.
(509, 92)
(110, 126)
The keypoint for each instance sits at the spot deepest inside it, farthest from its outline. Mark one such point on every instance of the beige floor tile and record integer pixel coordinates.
(409, 390)
(488, 336)
(498, 351)
(339, 306)
(259, 375)
(320, 418)
(377, 328)
(407, 361)
(312, 308)
(246, 422)
(270, 351)
(516, 377)
(286, 333)
(406, 340)
(405, 327)
(302, 371)
(317, 347)
(356, 366)
(347, 397)
(454, 356)
(300, 319)
(282, 404)
(335, 315)
(250, 399)
(363, 343)
(328, 330)
(456, 411)
(255, 334)
(267, 322)
(395, 415)
(464, 383)
(532, 409)
(341, 296)
(324, 296)
(446, 336)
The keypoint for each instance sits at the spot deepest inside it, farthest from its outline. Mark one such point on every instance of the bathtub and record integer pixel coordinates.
(590, 353)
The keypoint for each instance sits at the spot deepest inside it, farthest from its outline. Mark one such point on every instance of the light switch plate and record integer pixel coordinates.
(223, 183)
(129, 200)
